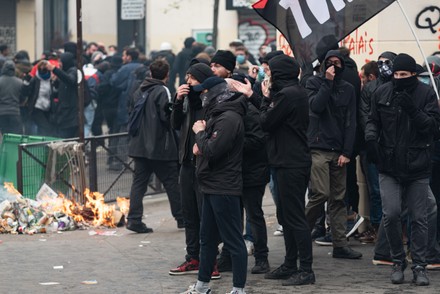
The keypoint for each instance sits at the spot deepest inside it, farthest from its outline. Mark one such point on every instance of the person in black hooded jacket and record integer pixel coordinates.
(331, 136)
(219, 150)
(284, 115)
(66, 113)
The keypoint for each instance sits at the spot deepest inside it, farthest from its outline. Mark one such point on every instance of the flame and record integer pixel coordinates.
(94, 212)
(124, 204)
(10, 188)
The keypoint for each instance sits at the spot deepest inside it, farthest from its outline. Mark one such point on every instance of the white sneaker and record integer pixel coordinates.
(249, 247)
(192, 290)
(357, 222)
(236, 292)
(279, 231)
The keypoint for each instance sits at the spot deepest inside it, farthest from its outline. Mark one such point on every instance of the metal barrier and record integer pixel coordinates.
(108, 170)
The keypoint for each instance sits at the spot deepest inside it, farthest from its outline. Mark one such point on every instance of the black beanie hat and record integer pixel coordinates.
(404, 62)
(225, 58)
(200, 72)
(199, 60)
(188, 42)
(271, 55)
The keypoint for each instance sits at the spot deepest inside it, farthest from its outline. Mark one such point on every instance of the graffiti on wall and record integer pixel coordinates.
(253, 34)
(428, 19)
(7, 36)
(359, 43)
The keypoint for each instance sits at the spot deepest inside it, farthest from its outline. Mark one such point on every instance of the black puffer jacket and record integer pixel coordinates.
(156, 139)
(285, 117)
(332, 114)
(219, 168)
(405, 142)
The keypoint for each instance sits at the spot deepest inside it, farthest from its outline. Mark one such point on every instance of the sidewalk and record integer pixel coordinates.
(139, 263)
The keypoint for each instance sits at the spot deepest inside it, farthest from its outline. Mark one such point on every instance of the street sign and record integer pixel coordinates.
(132, 9)
(203, 36)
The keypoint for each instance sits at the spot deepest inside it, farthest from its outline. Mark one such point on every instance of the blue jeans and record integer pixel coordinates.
(221, 219)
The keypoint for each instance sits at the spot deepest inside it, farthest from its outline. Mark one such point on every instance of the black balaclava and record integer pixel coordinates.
(338, 70)
(404, 62)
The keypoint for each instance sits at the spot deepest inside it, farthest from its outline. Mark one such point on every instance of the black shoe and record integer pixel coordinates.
(261, 267)
(300, 278)
(115, 166)
(419, 276)
(224, 264)
(140, 228)
(397, 276)
(346, 252)
(281, 273)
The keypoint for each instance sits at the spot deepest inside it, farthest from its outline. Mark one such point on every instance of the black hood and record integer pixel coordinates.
(236, 103)
(150, 82)
(220, 99)
(67, 60)
(8, 68)
(284, 71)
(337, 54)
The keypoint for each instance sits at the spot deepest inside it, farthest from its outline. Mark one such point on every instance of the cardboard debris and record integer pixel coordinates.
(58, 267)
(49, 283)
(103, 233)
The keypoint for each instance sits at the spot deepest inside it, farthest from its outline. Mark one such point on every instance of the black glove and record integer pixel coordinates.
(372, 151)
(407, 102)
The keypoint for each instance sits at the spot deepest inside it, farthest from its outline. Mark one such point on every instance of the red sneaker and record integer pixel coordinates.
(186, 268)
(215, 273)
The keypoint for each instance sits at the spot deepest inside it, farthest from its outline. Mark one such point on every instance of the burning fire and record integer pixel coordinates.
(94, 212)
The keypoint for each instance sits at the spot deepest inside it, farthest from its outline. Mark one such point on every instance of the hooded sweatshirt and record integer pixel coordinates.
(10, 90)
(332, 112)
(285, 116)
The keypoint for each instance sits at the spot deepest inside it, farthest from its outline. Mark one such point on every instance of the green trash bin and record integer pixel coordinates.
(9, 159)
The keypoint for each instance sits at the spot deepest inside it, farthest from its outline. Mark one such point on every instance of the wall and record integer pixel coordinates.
(26, 26)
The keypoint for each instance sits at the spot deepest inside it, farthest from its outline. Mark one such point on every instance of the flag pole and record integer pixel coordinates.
(420, 48)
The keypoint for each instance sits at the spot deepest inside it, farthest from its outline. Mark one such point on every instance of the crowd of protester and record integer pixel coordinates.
(216, 126)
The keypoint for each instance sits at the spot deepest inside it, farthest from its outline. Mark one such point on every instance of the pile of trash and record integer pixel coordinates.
(19, 215)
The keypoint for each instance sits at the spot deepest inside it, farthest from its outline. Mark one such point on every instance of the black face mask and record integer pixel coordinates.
(406, 84)
(338, 72)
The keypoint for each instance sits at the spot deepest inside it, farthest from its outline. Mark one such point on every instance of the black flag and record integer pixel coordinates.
(312, 27)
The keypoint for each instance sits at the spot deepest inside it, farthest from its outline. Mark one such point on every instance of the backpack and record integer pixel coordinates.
(136, 115)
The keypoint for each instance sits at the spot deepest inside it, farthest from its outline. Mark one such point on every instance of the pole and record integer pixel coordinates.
(215, 25)
(81, 77)
(420, 48)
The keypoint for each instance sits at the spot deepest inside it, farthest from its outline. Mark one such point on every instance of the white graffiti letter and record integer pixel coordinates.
(295, 8)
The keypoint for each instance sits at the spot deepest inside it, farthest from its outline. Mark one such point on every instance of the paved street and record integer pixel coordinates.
(139, 263)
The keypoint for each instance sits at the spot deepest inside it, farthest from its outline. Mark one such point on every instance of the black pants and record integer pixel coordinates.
(292, 185)
(41, 119)
(253, 201)
(221, 219)
(11, 124)
(166, 171)
(191, 208)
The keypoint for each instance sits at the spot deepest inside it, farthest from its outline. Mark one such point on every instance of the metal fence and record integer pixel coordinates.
(108, 168)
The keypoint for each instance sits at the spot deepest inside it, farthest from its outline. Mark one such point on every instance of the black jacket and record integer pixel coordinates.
(255, 163)
(365, 101)
(156, 139)
(184, 114)
(332, 115)
(219, 168)
(405, 141)
(286, 118)
(66, 109)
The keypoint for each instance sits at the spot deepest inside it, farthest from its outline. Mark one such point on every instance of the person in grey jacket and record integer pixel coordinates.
(10, 96)
(154, 149)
